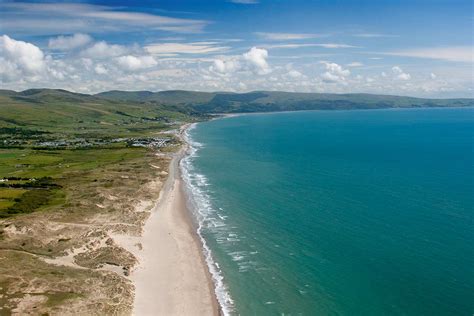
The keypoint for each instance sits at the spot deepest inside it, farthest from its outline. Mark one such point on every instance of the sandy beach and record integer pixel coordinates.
(172, 277)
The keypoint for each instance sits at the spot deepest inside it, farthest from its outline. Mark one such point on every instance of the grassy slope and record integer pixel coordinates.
(172, 97)
(266, 101)
(62, 115)
(64, 112)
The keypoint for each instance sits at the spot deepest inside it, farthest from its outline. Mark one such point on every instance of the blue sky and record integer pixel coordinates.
(419, 48)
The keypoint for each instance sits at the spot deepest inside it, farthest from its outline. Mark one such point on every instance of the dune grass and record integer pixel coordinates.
(32, 166)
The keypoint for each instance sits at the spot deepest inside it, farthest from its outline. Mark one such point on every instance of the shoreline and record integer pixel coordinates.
(172, 277)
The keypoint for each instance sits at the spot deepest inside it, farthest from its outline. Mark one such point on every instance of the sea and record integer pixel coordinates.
(364, 212)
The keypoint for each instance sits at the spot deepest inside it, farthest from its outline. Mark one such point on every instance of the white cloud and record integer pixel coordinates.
(333, 45)
(92, 70)
(133, 63)
(100, 69)
(103, 50)
(374, 35)
(329, 77)
(355, 64)
(433, 76)
(324, 45)
(454, 53)
(48, 18)
(254, 60)
(184, 48)
(258, 58)
(400, 74)
(397, 70)
(334, 73)
(295, 73)
(337, 69)
(21, 55)
(65, 43)
(286, 36)
(225, 66)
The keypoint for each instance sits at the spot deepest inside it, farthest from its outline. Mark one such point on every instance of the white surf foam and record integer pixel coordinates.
(206, 217)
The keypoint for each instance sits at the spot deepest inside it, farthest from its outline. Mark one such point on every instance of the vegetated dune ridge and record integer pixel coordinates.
(77, 174)
(64, 259)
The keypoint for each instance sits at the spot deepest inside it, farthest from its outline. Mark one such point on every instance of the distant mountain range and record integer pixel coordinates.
(227, 102)
(270, 101)
(65, 110)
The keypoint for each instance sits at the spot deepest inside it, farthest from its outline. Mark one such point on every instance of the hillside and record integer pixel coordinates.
(268, 101)
(68, 113)
(172, 97)
(128, 113)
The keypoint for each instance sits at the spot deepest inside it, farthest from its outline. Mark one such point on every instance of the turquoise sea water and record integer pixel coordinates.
(338, 212)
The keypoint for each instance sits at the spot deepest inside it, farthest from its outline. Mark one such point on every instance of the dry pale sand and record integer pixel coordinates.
(172, 277)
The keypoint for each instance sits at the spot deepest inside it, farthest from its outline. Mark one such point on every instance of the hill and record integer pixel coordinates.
(67, 113)
(269, 101)
(126, 113)
(173, 97)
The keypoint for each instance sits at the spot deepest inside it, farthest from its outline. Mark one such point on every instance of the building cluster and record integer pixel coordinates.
(148, 142)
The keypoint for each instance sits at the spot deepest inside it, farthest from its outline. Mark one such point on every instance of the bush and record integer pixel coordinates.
(29, 202)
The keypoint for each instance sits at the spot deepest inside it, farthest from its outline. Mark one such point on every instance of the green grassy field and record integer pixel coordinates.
(30, 122)
(53, 114)
(59, 165)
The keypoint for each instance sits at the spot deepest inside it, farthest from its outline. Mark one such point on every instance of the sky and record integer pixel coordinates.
(417, 48)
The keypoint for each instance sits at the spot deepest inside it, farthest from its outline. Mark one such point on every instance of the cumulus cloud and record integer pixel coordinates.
(258, 58)
(225, 66)
(133, 63)
(334, 73)
(400, 74)
(404, 76)
(66, 43)
(21, 57)
(295, 73)
(99, 66)
(292, 73)
(23, 63)
(103, 50)
(100, 69)
(254, 60)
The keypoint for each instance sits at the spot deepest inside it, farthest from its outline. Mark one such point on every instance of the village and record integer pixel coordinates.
(77, 143)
